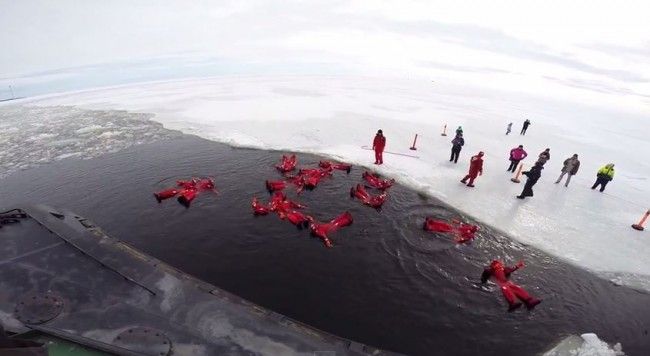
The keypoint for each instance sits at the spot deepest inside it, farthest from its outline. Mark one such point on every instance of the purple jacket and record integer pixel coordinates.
(517, 154)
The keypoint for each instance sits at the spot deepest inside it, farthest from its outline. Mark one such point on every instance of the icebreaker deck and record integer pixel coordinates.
(63, 276)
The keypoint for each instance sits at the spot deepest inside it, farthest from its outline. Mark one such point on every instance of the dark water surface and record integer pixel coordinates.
(386, 282)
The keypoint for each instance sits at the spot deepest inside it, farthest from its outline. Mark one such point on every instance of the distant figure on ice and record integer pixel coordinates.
(571, 166)
(459, 130)
(378, 145)
(456, 145)
(509, 129)
(511, 291)
(516, 155)
(544, 157)
(475, 169)
(525, 127)
(533, 175)
(604, 175)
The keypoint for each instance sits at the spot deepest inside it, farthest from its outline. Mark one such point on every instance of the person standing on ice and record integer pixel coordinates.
(571, 166)
(378, 145)
(475, 169)
(509, 128)
(456, 145)
(511, 291)
(605, 175)
(516, 155)
(544, 157)
(525, 127)
(533, 176)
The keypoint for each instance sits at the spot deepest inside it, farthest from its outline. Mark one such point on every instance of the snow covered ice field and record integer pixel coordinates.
(335, 116)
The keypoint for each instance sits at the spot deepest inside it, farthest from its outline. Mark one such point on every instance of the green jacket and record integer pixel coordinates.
(607, 171)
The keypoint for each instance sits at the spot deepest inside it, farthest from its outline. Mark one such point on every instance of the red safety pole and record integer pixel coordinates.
(515, 179)
(444, 131)
(639, 226)
(414, 141)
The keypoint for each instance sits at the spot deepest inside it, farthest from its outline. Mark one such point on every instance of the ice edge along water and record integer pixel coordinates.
(335, 116)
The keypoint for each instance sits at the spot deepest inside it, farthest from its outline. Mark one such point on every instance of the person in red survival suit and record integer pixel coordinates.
(322, 230)
(374, 201)
(510, 290)
(465, 232)
(462, 232)
(475, 169)
(378, 145)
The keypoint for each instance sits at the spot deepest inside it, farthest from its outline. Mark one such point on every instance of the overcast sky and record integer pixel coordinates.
(596, 47)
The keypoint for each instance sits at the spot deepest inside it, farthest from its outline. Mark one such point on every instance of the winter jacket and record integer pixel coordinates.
(526, 124)
(475, 165)
(607, 172)
(571, 166)
(544, 157)
(458, 142)
(379, 142)
(517, 154)
(534, 173)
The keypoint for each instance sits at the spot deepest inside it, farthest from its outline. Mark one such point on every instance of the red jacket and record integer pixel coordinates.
(379, 142)
(476, 165)
(518, 154)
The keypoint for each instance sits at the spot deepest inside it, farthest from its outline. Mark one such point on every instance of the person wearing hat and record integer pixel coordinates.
(571, 166)
(516, 155)
(378, 145)
(456, 145)
(605, 175)
(475, 169)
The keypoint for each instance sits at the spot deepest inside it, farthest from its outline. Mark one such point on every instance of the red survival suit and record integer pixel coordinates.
(475, 169)
(378, 145)
(376, 182)
(462, 232)
(187, 190)
(510, 290)
(312, 176)
(287, 164)
(322, 230)
(339, 166)
(285, 209)
(374, 201)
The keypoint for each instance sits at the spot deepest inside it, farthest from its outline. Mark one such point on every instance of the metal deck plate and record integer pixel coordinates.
(147, 341)
(38, 308)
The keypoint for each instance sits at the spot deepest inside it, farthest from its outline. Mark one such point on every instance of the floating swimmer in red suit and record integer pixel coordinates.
(511, 291)
(338, 166)
(462, 232)
(287, 164)
(376, 182)
(323, 230)
(187, 190)
(374, 201)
